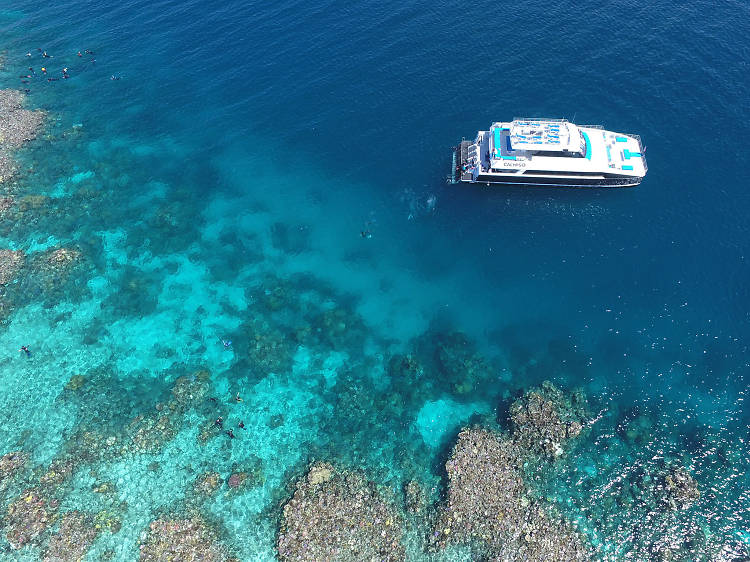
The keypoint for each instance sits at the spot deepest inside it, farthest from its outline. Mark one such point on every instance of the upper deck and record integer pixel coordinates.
(543, 134)
(549, 146)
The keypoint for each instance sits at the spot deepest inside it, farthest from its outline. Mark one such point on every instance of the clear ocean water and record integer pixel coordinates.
(217, 189)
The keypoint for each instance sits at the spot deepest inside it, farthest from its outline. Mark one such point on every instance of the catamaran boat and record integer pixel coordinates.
(550, 152)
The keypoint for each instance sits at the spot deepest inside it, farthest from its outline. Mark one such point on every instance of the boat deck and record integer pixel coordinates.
(540, 151)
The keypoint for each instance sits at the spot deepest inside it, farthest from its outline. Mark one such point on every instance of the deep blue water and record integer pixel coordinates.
(244, 148)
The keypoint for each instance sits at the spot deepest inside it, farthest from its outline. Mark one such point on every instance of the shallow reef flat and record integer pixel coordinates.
(17, 125)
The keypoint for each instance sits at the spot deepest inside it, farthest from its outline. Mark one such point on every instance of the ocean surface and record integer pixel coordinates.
(216, 163)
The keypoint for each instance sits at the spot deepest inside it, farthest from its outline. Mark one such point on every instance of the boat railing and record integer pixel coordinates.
(642, 150)
(537, 119)
(590, 126)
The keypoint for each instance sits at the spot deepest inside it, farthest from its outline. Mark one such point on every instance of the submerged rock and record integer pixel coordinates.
(488, 506)
(545, 418)
(339, 515)
(181, 539)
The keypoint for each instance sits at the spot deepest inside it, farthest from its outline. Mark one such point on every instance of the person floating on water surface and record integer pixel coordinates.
(237, 397)
(25, 349)
(241, 425)
(227, 344)
(230, 433)
(219, 422)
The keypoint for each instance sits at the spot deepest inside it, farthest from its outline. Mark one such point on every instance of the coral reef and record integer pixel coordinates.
(339, 515)
(50, 270)
(11, 463)
(181, 539)
(11, 263)
(73, 539)
(149, 434)
(247, 475)
(545, 418)
(680, 488)
(488, 505)
(28, 517)
(75, 383)
(460, 363)
(207, 483)
(17, 125)
(415, 497)
(189, 391)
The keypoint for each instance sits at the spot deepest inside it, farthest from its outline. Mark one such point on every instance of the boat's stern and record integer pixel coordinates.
(462, 161)
(467, 159)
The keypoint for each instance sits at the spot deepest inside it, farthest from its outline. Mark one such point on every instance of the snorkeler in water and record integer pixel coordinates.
(219, 422)
(237, 397)
(241, 425)
(227, 344)
(230, 433)
(25, 349)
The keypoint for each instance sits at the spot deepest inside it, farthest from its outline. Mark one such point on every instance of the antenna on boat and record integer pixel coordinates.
(574, 116)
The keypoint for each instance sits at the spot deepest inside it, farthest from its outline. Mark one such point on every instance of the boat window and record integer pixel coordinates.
(566, 154)
(559, 173)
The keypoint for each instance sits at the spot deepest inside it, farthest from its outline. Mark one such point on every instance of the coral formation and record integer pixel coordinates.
(545, 418)
(489, 507)
(680, 488)
(248, 475)
(339, 515)
(415, 497)
(28, 517)
(17, 125)
(207, 483)
(10, 264)
(75, 383)
(10, 464)
(73, 539)
(181, 539)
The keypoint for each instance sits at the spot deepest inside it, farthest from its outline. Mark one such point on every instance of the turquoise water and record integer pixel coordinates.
(217, 191)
